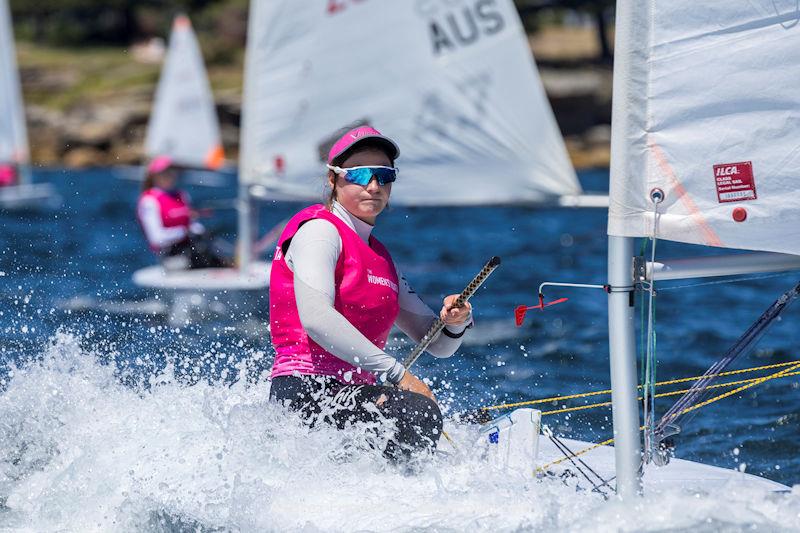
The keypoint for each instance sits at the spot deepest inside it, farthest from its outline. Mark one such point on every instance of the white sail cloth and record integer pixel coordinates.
(453, 83)
(183, 123)
(13, 133)
(712, 118)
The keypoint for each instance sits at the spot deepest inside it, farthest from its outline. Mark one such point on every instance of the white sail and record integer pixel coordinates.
(183, 123)
(712, 102)
(454, 83)
(13, 133)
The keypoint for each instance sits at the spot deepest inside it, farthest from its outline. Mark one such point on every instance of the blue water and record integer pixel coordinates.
(90, 248)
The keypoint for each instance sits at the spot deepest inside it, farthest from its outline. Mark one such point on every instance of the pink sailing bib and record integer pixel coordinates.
(366, 295)
(173, 207)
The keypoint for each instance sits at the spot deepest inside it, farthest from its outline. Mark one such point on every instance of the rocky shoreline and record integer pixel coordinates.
(110, 130)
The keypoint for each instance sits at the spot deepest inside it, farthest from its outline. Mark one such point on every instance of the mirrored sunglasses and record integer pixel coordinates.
(363, 175)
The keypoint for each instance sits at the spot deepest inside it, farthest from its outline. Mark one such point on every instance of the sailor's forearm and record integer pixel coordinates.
(333, 332)
(415, 326)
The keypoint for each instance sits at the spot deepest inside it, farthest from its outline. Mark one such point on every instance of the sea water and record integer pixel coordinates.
(122, 421)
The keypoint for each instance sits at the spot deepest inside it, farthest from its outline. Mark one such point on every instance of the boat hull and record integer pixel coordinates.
(29, 196)
(202, 294)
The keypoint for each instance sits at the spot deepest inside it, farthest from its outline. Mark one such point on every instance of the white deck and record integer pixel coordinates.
(205, 279)
(29, 196)
(595, 201)
(678, 474)
(515, 443)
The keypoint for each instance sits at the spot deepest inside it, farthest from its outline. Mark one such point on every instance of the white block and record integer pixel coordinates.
(512, 441)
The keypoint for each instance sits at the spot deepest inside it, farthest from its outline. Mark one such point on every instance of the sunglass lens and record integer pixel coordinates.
(362, 176)
(359, 176)
(384, 175)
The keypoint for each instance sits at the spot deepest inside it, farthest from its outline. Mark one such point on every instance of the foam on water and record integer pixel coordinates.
(82, 451)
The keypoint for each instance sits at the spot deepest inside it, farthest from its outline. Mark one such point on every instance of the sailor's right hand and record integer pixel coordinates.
(412, 383)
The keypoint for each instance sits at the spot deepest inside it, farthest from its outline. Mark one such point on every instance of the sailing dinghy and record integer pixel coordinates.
(453, 83)
(705, 150)
(184, 126)
(14, 152)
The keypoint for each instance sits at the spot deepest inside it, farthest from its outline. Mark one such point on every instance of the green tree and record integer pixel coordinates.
(90, 22)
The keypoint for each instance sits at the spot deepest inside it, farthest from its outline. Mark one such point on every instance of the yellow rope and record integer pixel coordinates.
(578, 408)
(751, 383)
(661, 395)
(608, 391)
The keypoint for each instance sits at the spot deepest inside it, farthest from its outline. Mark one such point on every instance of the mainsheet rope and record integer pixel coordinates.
(659, 384)
(660, 395)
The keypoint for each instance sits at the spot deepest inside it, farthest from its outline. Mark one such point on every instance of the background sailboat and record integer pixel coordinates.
(456, 86)
(14, 150)
(184, 125)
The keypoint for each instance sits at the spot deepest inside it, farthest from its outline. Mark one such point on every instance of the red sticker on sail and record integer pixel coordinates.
(735, 182)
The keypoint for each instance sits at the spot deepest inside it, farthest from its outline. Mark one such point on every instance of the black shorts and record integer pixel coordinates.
(198, 252)
(417, 419)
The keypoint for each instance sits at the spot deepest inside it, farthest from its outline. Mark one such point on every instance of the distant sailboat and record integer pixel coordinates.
(455, 86)
(184, 126)
(14, 151)
(183, 123)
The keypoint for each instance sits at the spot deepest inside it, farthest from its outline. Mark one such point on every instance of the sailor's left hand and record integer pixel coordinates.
(455, 316)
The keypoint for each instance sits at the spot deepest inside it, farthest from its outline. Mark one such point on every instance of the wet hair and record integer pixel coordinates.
(148, 182)
(363, 146)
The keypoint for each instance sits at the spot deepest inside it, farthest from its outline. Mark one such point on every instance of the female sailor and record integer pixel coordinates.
(166, 216)
(335, 294)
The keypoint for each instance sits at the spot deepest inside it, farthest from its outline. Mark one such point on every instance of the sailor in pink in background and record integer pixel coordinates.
(167, 219)
(335, 295)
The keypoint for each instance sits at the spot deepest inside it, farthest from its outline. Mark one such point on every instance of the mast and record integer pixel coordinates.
(622, 353)
(244, 245)
(621, 336)
(244, 202)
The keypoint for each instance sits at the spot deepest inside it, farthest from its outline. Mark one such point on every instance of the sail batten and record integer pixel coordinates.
(183, 123)
(712, 121)
(456, 88)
